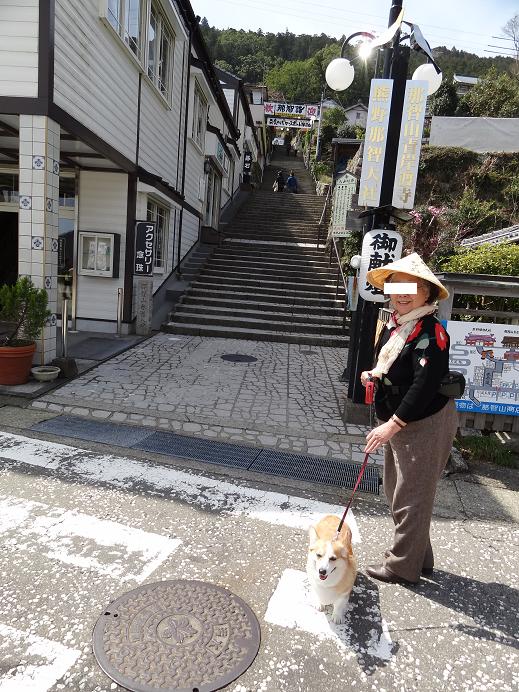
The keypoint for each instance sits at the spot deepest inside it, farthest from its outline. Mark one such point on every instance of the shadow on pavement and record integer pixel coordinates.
(365, 633)
(492, 606)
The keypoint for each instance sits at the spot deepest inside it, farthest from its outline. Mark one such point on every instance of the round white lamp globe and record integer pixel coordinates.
(339, 74)
(427, 72)
(355, 262)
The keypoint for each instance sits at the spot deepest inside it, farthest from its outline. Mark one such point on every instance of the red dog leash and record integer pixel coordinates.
(369, 398)
(359, 478)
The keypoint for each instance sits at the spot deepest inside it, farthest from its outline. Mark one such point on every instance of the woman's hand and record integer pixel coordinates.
(380, 435)
(365, 376)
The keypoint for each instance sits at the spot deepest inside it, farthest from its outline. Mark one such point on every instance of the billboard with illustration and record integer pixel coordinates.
(488, 356)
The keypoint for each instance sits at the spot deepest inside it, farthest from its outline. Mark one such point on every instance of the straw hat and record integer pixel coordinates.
(412, 264)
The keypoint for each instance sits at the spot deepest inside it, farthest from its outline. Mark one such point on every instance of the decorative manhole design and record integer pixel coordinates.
(179, 636)
(239, 358)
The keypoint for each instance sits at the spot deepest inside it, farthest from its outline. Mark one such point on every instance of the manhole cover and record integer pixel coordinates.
(239, 358)
(179, 636)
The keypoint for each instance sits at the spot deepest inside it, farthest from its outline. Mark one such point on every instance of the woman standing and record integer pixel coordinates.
(417, 423)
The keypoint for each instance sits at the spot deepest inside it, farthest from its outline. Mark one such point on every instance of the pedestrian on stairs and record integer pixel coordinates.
(279, 182)
(292, 183)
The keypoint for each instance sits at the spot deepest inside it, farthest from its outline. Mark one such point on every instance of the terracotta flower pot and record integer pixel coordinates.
(16, 363)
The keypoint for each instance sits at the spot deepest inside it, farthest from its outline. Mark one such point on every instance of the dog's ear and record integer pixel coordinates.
(312, 535)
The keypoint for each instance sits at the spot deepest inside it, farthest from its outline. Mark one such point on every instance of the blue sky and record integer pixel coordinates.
(467, 24)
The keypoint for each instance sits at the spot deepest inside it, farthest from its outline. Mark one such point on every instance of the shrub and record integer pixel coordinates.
(25, 307)
(502, 259)
(487, 448)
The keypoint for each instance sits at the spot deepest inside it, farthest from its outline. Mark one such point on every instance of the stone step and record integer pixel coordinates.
(271, 285)
(181, 317)
(263, 274)
(267, 295)
(272, 269)
(257, 335)
(283, 315)
(207, 302)
(253, 262)
(276, 252)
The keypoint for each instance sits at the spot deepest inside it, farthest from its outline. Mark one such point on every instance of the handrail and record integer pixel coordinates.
(321, 220)
(340, 273)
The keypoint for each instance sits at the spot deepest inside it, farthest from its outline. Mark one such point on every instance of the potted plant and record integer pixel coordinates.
(24, 308)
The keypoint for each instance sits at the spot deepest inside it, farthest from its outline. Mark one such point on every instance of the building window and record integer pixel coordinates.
(125, 16)
(160, 216)
(199, 117)
(161, 42)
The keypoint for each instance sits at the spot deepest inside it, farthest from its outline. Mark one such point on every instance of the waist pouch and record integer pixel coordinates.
(452, 386)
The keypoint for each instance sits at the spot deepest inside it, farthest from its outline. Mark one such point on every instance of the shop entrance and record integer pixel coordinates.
(9, 245)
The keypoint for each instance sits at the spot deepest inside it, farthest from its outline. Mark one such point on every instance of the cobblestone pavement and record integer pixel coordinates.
(289, 398)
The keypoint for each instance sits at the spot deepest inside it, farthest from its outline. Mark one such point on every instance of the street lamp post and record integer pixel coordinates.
(340, 74)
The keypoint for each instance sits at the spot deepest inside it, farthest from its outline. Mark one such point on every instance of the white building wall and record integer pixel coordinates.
(19, 48)
(96, 78)
(189, 233)
(102, 207)
(161, 125)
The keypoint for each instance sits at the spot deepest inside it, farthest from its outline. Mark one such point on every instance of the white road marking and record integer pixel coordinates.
(38, 663)
(235, 500)
(293, 605)
(83, 540)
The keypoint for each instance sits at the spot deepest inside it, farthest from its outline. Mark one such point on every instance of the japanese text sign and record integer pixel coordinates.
(375, 142)
(247, 161)
(379, 247)
(289, 122)
(413, 115)
(343, 192)
(144, 241)
(291, 110)
(290, 114)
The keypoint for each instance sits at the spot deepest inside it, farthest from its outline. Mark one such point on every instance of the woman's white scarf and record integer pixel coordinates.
(391, 350)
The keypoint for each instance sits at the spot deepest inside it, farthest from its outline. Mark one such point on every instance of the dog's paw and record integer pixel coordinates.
(338, 618)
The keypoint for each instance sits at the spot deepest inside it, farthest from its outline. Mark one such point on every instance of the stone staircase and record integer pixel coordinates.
(268, 280)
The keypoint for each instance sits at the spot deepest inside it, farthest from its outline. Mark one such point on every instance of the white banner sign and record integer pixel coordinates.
(488, 356)
(291, 110)
(413, 115)
(379, 247)
(343, 192)
(289, 122)
(375, 142)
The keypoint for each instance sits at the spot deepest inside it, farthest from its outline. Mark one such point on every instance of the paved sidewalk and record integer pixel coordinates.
(289, 398)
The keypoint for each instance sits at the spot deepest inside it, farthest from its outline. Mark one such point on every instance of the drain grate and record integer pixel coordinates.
(300, 467)
(176, 636)
(87, 429)
(318, 469)
(198, 448)
(238, 358)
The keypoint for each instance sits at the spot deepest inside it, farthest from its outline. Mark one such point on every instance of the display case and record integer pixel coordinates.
(99, 254)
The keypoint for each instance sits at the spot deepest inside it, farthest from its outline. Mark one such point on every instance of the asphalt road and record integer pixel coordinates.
(81, 525)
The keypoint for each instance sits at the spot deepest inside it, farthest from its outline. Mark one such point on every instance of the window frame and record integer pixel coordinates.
(116, 14)
(118, 24)
(200, 106)
(164, 212)
(163, 27)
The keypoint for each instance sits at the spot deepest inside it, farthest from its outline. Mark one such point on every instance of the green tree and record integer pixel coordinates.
(495, 96)
(445, 100)
(297, 80)
(502, 259)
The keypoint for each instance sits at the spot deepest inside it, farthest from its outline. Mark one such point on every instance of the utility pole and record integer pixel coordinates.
(362, 336)
(318, 145)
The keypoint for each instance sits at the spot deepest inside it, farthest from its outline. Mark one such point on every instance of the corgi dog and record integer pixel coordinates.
(331, 565)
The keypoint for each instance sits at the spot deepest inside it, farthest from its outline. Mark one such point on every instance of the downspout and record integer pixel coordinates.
(131, 217)
(182, 189)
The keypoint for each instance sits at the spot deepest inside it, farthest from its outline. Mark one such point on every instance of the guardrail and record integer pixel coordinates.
(323, 216)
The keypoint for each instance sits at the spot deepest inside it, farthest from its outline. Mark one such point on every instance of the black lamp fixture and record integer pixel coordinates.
(207, 166)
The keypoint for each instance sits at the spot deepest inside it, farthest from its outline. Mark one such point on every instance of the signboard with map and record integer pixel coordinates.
(488, 356)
